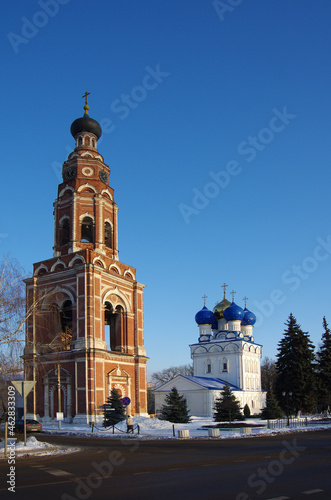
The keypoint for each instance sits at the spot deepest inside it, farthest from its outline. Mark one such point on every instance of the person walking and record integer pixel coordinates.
(129, 424)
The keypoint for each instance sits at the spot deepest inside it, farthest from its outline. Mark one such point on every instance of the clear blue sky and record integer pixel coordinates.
(220, 161)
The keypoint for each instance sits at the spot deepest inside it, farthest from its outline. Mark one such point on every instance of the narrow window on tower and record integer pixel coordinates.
(87, 230)
(225, 365)
(108, 235)
(64, 231)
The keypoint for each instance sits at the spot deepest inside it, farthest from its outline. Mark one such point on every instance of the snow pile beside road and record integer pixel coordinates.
(32, 444)
(146, 423)
(35, 447)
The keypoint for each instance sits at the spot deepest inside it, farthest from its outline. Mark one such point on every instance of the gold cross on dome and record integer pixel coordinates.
(245, 299)
(85, 95)
(224, 286)
(232, 293)
(204, 300)
(86, 106)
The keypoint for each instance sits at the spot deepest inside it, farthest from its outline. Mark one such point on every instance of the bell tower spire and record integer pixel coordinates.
(85, 209)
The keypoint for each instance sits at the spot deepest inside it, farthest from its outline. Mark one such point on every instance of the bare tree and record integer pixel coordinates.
(12, 303)
(159, 378)
(14, 312)
(15, 309)
(268, 374)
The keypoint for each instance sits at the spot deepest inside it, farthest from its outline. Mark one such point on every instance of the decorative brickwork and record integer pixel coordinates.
(88, 335)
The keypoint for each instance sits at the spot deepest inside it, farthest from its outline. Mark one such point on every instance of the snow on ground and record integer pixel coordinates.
(33, 446)
(150, 428)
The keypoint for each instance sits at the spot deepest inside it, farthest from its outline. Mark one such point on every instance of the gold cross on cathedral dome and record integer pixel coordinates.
(86, 106)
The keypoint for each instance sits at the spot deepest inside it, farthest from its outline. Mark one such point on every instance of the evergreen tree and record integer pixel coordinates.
(227, 408)
(114, 412)
(175, 408)
(324, 368)
(272, 409)
(295, 384)
(247, 411)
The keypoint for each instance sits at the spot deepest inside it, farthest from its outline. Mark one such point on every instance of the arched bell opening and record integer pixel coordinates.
(87, 230)
(64, 232)
(108, 235)
(66, 324)
(114, 327)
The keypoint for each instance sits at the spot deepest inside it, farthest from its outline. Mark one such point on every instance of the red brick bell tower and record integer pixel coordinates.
(87, 335)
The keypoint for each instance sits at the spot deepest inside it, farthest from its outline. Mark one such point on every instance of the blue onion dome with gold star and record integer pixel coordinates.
(233, 313)
(85, 123)
(249, 318)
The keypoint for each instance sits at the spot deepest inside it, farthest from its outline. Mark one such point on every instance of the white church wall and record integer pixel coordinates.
(198, 402)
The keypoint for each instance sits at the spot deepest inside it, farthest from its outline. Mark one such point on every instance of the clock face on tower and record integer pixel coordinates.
(103, 176)
(70, 173)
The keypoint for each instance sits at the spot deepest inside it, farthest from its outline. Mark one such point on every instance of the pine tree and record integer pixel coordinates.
(272, 409)
(295, 384)
(114, 412)
(227, 408)
(247, 411)
(175, 408)
(324, 368)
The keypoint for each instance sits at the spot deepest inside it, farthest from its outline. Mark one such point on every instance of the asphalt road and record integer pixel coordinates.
(292, 466)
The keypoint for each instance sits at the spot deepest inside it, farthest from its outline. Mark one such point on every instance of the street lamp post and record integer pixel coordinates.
(287, 394)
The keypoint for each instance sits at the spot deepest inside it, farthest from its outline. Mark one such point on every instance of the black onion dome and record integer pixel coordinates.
(85, 124)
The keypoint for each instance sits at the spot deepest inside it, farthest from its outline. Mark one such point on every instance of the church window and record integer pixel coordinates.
(113, 327)
(208, 366)
(64, 231)
(80, 141)
(108, 235)
(87, 230)
(93, 143)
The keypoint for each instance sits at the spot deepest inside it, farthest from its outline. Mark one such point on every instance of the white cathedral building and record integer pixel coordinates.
(225, 353)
